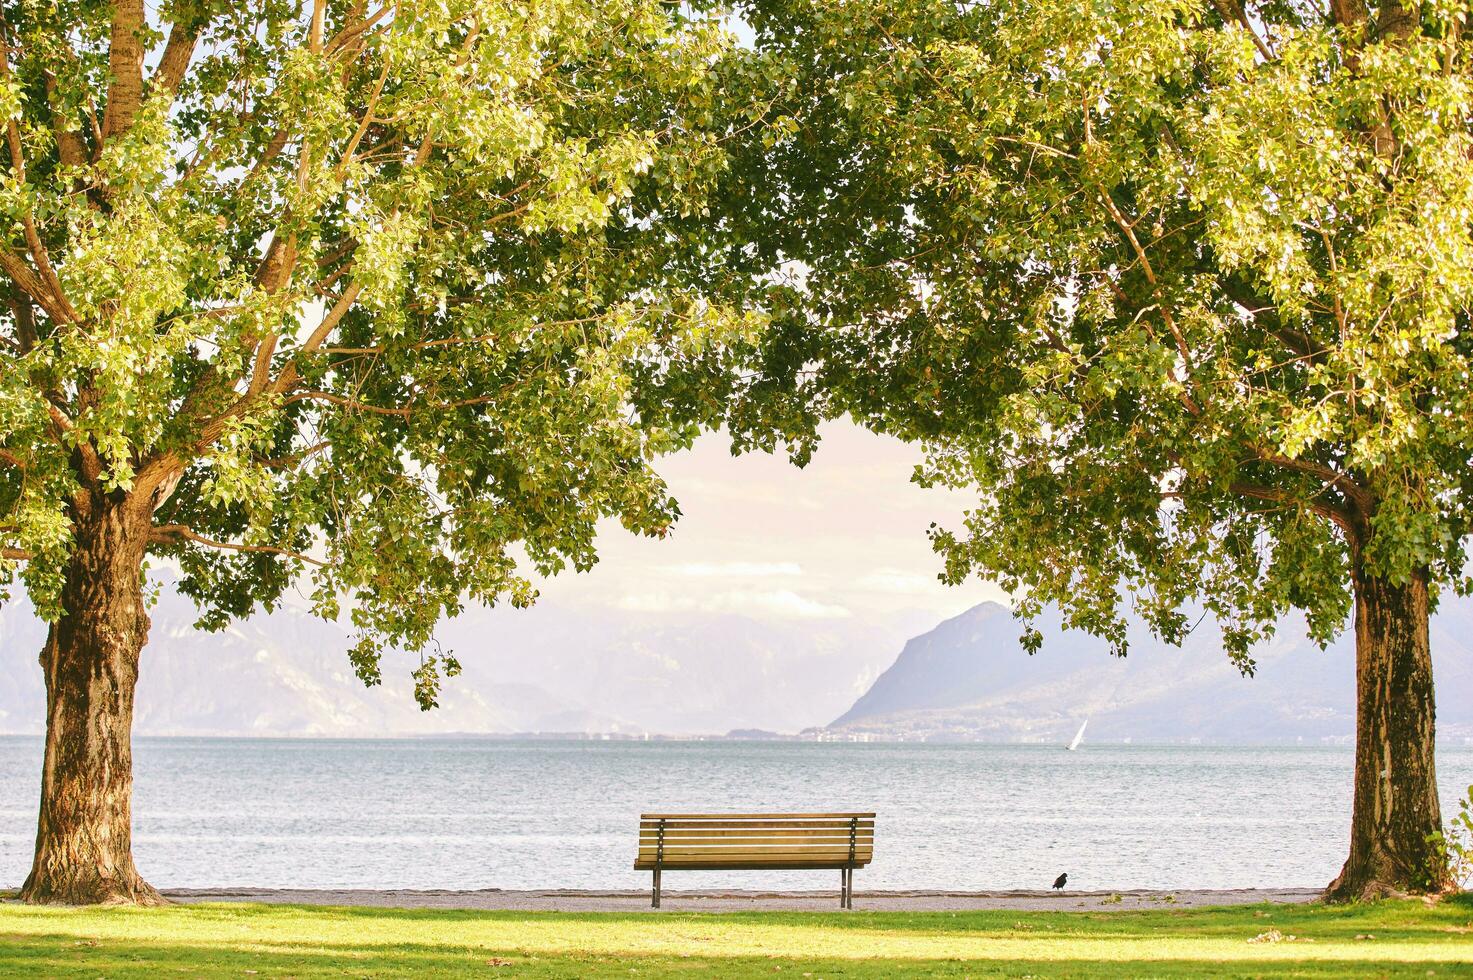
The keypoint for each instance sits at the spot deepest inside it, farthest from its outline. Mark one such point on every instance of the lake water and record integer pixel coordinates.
(477, 813)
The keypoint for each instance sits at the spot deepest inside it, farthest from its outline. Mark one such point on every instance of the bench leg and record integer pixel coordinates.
(843, 888)
(655, 891)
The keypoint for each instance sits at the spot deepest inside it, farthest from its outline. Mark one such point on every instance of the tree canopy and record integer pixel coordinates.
(378, 295)
(1184, 288)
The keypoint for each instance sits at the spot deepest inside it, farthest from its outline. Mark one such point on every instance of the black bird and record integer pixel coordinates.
(1061, 880)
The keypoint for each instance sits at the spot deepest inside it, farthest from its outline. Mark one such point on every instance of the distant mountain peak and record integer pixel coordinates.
(551, 668)
(969, 677)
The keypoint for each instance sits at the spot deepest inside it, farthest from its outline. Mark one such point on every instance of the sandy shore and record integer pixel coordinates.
(675, 900)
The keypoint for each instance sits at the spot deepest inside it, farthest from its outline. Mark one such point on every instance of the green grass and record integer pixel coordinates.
(224, 940)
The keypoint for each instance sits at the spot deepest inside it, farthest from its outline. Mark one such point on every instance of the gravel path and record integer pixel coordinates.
(673, 900)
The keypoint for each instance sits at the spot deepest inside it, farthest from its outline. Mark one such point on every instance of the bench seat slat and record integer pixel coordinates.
(774, 856)
(754, 849)
(682, 833)
(755, 816)
(740, 824)
(769, 822)
(764, 853)
(770, 826)
(752, 845)
(758, 848)
(750, 866)
(755, 860)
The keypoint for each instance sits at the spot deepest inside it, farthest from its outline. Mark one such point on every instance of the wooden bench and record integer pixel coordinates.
(756, 841)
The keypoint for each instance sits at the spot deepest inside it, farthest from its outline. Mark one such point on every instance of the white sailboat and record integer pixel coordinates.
(1078, 736)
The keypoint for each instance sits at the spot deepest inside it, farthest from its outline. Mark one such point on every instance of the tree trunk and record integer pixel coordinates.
(84, 837)
(1396, 807)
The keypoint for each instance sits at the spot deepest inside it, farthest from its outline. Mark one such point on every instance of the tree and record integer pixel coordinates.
(371, 295)
(1182, 287)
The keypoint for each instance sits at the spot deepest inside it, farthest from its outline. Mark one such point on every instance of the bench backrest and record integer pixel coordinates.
(729, 841)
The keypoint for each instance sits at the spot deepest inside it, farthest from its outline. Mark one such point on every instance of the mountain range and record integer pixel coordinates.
(969, 678)
(596, 669)
(550, 668)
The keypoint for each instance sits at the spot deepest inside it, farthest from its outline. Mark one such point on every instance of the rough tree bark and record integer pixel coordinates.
(84, 837)
(1396, 806)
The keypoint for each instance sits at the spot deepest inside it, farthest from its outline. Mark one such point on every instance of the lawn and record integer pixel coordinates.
(218, 940)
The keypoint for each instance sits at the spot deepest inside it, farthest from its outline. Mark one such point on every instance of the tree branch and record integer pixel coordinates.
(1347, 13)
(29, 283)
(16, 554)
(276, 268)
(403, 411)
(69, 148)
(178, 51)
(1233, 12)
(455, 341)
(1263, 310)
(333, 318)
(18, 169)
(1331, 476)
(355, 30)
(293, 460)
(1127, 228)
(125, 65)
(281, 257)
(25, 323)
(1330, 512)
(174, 533)
(324, 329)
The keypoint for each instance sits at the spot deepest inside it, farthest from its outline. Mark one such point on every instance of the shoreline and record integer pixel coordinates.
(736, 900)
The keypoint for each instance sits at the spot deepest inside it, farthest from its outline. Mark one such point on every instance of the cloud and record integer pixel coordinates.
(789, 604)
(898, 581)
(769, 603)
(746, 493)
(653, 602)
(737, 569)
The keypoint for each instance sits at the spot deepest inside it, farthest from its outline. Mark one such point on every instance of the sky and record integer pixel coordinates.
(843, 538)
(777, 599)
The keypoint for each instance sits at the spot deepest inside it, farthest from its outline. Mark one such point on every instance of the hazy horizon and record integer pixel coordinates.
(777, 603)
(832, 559)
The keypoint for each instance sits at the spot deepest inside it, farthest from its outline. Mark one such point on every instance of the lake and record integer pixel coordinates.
(479, 813)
